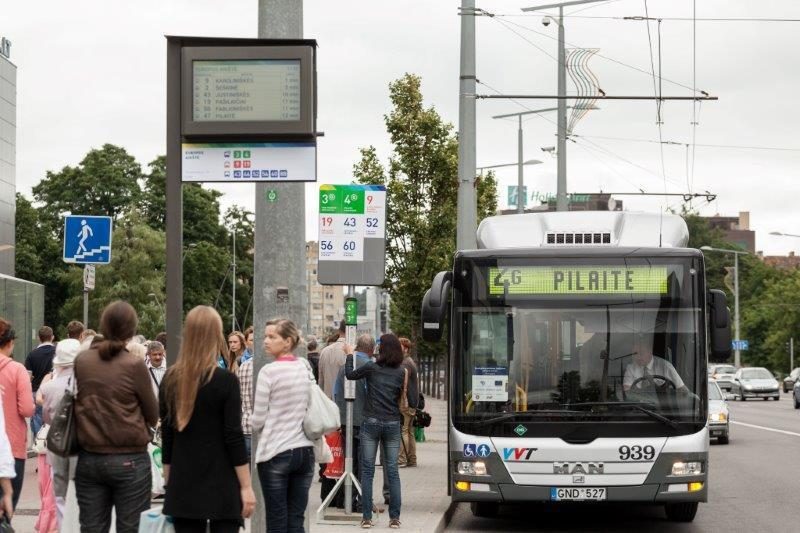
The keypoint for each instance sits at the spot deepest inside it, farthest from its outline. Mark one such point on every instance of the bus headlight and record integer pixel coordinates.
(688, 468)
(718, 417)
(470, 468)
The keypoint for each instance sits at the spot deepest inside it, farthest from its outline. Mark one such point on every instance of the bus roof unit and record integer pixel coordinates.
(583, 228)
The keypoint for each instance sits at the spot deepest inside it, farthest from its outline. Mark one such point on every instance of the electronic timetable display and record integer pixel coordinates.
(246, 90)
(249, 90)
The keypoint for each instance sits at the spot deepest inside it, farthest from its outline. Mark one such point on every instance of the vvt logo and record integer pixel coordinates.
(518, 454)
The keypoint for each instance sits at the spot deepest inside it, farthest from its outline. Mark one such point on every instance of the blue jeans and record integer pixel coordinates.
(387, 433)
(121, 481)
(36, 420)
(285, 481)
(248, 445)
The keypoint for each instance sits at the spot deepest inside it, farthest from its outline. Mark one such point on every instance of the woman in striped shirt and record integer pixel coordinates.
(285, 456)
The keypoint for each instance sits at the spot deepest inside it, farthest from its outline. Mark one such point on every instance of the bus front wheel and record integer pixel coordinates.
(681, 512)
(484, 509)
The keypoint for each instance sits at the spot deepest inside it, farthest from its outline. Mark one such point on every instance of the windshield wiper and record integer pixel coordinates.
(502, 417)
(639, 406)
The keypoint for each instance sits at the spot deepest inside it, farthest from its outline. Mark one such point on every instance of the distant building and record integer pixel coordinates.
(8, 155)
(781, 262)
(21, 302)
(735, 230)
(325, 302)
(376, 308)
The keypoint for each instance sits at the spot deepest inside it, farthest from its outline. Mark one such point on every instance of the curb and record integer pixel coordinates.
(446, 517)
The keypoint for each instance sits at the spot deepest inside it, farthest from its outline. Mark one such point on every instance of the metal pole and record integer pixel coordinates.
(279, 235)
(348, 449)
(85, 308)
(791, 354)
(520, 182)
(561, 150)
(233, 285)
(467, 222)
(174, 205)
(737, 358)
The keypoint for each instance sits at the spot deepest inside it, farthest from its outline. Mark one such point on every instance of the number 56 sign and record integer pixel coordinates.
(349, 215)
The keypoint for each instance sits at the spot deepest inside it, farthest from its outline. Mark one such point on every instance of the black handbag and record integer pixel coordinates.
(62, 439)
(5, 525)
(422, 419)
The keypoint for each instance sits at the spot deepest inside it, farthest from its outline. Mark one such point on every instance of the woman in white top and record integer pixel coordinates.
(285, 456)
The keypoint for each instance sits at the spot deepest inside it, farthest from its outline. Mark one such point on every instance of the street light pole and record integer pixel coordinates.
(520, 184)
(467, 219)
(561, 185)
(561, 150)
(737, 354)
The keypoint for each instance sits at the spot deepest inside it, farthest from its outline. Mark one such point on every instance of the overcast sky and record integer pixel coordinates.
(93, 71)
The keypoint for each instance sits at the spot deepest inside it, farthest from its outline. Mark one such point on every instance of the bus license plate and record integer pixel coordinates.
(575, 494)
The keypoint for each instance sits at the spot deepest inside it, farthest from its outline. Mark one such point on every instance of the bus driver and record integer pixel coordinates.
(643, 371)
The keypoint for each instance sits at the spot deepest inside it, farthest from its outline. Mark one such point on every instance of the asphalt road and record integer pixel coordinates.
(754, 485)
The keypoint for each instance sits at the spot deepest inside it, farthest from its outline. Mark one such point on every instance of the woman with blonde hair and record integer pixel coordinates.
(285, 456)
(206, 470)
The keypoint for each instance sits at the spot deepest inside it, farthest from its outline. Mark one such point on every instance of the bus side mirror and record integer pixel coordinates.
(434, 306)
(719, 325)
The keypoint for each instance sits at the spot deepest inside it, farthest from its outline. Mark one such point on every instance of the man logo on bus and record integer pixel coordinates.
(578, 468)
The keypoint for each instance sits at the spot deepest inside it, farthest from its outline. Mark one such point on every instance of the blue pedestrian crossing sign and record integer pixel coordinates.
(87, 239)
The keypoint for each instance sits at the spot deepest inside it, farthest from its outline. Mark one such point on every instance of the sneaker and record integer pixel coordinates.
(366, 524)
(394, 523)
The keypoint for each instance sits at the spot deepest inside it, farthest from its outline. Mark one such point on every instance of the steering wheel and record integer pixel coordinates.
(651, 379)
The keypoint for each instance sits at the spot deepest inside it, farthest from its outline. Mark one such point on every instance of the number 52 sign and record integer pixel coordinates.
(349, 214)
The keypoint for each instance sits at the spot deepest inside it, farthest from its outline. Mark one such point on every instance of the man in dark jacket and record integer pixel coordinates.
(40, 363)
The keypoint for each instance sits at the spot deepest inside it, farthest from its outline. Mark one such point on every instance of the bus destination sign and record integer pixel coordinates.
(571, 280)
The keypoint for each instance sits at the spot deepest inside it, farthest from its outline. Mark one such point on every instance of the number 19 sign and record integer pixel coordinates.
(352, 222)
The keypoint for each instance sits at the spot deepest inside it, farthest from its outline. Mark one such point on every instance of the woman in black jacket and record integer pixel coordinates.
(206, 470)
(386, 383)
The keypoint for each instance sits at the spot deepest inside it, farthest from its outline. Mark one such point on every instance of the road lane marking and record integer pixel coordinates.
(792, 433)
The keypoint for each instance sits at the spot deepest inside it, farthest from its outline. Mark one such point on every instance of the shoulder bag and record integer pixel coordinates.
(62, 438)
(322, 414)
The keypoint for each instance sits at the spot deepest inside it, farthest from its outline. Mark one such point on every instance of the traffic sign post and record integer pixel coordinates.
(87, 239)
(352, 251)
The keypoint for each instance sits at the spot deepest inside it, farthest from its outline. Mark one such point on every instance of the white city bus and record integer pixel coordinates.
(578, 348)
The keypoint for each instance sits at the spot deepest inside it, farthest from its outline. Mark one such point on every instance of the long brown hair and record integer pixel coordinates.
(203, 341)
(118, 324)
(233, 356)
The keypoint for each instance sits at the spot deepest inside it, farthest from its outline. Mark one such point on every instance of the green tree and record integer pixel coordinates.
(105, 182)
(38, 256)
(153, 203)
(421, 179)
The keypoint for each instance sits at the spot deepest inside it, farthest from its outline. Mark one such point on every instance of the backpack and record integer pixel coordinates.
(421, 404)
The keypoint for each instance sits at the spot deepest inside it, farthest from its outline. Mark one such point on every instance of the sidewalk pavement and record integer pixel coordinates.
(424, 488)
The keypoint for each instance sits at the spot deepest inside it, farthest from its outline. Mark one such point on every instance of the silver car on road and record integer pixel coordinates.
(755, 382)
(718, 415)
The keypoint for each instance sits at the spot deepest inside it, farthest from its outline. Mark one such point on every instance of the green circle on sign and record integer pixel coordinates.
(272, 195)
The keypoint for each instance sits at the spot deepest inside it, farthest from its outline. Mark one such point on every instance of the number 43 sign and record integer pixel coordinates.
(349, 214)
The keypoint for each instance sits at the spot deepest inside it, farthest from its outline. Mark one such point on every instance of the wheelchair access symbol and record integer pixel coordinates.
(470, 450)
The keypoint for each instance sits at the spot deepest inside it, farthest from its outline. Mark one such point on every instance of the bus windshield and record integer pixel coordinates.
(559, 343)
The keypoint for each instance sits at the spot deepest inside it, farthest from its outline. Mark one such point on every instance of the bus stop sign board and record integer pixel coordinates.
(352, 235)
